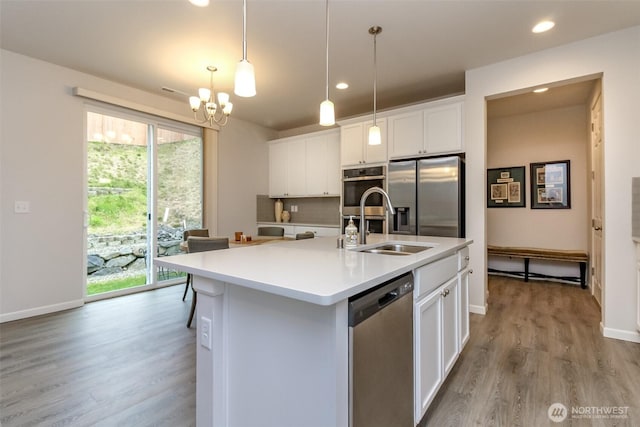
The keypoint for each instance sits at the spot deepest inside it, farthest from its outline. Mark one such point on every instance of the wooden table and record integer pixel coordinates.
(255, 240)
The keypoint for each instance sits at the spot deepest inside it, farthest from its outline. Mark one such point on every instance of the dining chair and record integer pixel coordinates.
(199, 232)
(271, 231)
(305, 235)
(202, 244)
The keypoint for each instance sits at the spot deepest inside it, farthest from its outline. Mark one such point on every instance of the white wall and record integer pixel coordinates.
(617, 56)
(518, 140)
(42, 161)
(243, 173)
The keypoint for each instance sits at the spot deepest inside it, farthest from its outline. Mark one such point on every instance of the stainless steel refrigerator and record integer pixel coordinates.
(428, 196)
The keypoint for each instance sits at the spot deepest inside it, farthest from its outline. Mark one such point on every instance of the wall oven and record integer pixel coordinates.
(354, 183)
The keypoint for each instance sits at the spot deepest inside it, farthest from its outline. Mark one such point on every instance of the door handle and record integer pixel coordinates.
(387, 298)
(597, 228)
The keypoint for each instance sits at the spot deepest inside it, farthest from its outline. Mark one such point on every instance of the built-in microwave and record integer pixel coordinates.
(355, 182)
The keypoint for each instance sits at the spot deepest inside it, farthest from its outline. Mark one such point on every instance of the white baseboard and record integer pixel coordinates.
(620, 334)
(478, 309)
(38, 311)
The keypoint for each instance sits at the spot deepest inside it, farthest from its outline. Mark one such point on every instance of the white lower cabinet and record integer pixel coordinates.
(441, 324)
(638, 284)
(450, 321)
(463, 280)
(428, 351)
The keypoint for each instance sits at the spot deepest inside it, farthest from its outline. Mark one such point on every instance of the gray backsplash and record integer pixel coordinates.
(635, 207)
(311, 210)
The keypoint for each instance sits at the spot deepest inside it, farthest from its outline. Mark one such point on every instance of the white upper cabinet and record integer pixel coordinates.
(429, 129)
(443, 129)
(306, 165)
(296, 162)
(354, 143)
(406, 134)
(278, 165)
(323, 165)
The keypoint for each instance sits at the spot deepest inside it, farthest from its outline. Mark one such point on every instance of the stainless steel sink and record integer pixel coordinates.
(395, 249)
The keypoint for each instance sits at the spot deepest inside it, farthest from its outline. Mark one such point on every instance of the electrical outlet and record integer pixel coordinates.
(205, 332)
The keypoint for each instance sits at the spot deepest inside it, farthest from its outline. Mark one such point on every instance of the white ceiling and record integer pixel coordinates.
(423, 51)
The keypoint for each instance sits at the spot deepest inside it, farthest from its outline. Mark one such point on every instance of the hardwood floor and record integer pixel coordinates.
(130, 361)
(127, 361)
(539, 344)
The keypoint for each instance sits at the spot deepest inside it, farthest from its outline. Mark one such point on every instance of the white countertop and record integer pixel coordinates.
(311, 270)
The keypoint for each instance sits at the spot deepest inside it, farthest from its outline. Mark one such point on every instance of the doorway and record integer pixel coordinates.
(144, 188)
(525, 128)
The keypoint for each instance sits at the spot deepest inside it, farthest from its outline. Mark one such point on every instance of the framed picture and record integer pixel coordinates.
(550, 185)
(506, 187)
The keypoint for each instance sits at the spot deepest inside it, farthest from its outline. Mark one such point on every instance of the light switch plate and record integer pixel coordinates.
(205, 332)
(21, 207)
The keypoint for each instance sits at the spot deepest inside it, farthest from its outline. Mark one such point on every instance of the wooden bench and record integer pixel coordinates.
(580, 257)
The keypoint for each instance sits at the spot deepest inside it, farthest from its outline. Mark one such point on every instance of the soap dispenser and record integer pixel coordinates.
(351, 234)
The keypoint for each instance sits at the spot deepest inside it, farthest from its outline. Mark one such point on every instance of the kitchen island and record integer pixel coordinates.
(272, 330)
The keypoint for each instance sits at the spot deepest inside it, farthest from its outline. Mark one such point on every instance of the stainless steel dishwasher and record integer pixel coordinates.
(381, 355)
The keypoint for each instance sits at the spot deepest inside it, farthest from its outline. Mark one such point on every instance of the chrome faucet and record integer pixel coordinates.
(363, 199)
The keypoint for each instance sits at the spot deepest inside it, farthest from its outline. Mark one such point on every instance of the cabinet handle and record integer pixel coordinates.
(471, 271)
(466, 258)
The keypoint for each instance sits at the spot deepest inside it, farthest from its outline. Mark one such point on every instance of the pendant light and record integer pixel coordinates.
(374, 131)
(327, 114)
(245, 82)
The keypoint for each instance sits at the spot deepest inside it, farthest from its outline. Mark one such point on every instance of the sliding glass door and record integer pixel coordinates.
(179, 191)
(144, 188)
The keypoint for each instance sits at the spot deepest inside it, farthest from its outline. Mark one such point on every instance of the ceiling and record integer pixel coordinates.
(423, 50)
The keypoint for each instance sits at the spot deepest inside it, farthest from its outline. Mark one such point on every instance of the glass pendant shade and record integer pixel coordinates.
(194, 102)
(227, 108)
(327, 114)
(245, 83)
(211, 108)
(204, 94)
(223, 98)
(374, 136)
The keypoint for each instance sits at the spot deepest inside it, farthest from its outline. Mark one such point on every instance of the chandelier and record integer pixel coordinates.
(205, 104)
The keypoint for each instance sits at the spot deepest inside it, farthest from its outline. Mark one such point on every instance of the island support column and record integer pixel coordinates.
(274, 361)
(210, 372)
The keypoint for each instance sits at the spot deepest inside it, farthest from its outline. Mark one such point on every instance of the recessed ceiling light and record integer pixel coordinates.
(541, 89)
(199, 3)
(342, 85)
(543, 26)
